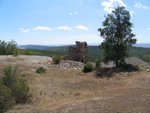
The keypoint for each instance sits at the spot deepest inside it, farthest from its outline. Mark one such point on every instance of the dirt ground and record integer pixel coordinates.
(72, 91)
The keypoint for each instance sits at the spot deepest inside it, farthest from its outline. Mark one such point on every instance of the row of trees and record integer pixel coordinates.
(8, 48)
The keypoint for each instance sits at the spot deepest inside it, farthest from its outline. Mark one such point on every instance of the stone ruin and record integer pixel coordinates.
(78, 53)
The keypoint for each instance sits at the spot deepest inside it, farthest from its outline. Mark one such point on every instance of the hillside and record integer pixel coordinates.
(93, 52)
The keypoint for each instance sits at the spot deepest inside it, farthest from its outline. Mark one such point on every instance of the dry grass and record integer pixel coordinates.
(72, 91)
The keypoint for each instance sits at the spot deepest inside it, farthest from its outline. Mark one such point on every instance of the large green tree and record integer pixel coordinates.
(117, 35)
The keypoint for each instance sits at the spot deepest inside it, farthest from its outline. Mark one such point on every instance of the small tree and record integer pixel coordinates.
(117, 35)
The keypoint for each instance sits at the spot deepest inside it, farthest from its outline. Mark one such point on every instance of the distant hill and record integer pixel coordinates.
(93, 51)
(58, 47)
(36, 47)
(145, 45)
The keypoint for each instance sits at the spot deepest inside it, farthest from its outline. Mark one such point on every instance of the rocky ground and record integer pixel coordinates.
(72, 91)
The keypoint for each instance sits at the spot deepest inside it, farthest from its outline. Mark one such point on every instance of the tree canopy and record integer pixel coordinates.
(117, 35)
(8, 48)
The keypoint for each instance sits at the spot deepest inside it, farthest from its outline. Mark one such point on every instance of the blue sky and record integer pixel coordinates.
(66, 21)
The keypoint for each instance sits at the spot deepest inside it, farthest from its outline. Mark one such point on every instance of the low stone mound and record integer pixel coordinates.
(131, 60)
(25, 60)
(136, 61)
(69, 64)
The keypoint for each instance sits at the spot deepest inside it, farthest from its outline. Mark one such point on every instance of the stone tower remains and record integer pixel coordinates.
(78, 53)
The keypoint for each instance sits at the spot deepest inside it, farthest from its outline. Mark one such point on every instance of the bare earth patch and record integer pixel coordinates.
(72, 91)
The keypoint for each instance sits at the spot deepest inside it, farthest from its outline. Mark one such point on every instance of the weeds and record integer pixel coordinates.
(41, 70)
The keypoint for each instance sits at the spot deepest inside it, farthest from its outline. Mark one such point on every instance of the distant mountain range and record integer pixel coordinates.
(46, 47)
(145, 45)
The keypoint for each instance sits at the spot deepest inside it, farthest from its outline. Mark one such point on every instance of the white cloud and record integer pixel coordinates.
(132, 12)
(139, 5)
(109, 6)
(73, 13)
(149, 28)
(64, 28)
(43, 28)
(24, 30)
(81, 27)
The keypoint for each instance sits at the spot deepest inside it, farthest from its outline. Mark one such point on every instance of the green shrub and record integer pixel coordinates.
(17, 85)
(97, 63)
(9, 76)
(5, 98)
(41, 70)
(57, 59)
(88, 67)
(20, 90)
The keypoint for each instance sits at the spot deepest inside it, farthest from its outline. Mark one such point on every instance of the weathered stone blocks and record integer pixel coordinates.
(78, 53)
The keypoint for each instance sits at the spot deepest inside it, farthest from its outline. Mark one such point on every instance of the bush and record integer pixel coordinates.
(97, 63)
(88, 67)
(20, 90)
(41, 70)
(17, 85)
(5, 98)
(9, 76)
(57, 59)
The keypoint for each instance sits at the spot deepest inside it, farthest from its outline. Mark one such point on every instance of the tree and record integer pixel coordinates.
(117, 35)
(8, 48)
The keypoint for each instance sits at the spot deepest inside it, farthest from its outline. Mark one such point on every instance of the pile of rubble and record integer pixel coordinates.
(69, 64)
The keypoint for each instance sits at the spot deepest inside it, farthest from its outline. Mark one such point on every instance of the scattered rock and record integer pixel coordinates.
(126, 74)
(69, 64)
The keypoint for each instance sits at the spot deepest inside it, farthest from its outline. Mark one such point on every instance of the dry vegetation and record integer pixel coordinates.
(72, 91)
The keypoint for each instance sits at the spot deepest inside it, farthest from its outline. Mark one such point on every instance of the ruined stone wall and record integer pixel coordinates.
(78, 53)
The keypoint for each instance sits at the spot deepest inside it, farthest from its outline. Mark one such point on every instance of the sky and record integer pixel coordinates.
(50, 22)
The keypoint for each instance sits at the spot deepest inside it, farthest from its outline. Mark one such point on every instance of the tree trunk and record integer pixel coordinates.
(117, 64)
